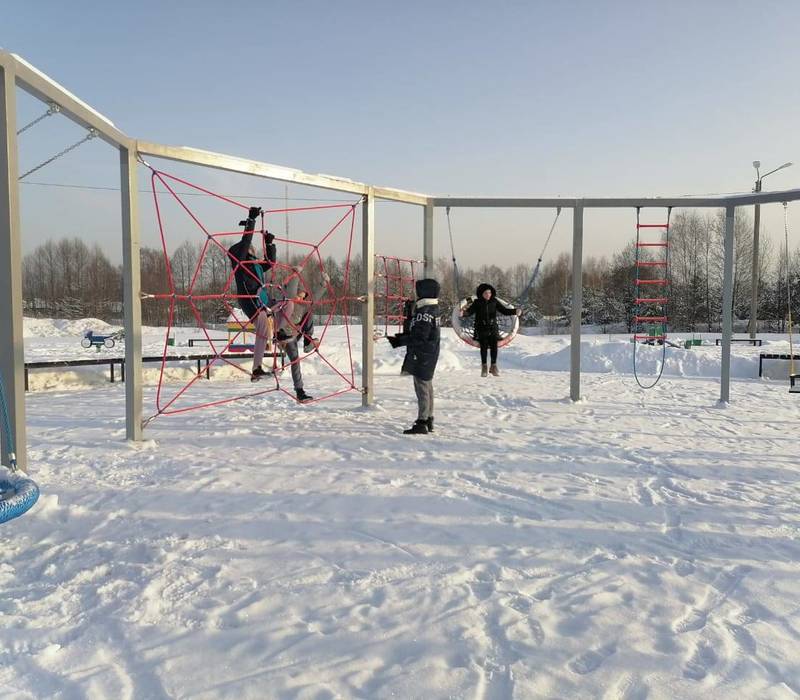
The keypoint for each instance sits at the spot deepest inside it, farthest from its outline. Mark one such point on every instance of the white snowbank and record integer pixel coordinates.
(61, 328)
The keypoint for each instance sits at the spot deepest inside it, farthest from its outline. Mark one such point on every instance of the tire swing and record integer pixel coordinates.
(464, 326)
(18, 493)
(508, 326)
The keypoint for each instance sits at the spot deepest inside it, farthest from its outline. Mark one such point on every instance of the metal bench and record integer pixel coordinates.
(773, 356)
(111, 361)
(752, 341)
(192, 341)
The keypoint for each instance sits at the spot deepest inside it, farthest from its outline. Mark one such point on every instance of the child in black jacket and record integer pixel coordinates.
(251, 290)
(485, 308)
(422, 341)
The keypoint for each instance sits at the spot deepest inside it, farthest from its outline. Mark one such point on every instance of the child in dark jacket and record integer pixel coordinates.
(486, 332)
(249, 272)
(422, 353)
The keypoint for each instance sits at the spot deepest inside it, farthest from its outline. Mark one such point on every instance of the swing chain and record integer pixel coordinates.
(89, 136)
(53, 108)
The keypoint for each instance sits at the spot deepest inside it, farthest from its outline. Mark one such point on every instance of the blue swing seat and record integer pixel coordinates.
(18, 494)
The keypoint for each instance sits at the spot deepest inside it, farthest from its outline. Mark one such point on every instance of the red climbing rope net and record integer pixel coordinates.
(310, 266)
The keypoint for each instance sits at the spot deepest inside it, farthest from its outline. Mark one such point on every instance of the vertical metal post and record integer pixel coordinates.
(12, 348)
(132, 287)
(368, 307)
(427, 239)
(727, 308)
(754, 274)
(577, 302)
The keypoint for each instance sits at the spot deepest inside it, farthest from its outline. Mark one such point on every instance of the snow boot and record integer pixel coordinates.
(310, 344)
(420, 427)
(257, 374)
(494, 371)
(484, 371)
(430, 424)
(302, 397)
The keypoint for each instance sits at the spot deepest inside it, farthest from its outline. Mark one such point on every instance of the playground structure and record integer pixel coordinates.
(394, 284)
(15, 72)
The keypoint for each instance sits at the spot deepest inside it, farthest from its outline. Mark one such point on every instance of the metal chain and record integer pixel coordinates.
(89, 136)
(453, 252)
(53, 109)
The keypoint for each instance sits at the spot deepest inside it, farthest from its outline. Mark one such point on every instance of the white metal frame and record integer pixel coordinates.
(15, 72)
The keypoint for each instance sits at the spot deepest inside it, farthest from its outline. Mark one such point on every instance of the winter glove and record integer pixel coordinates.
(254, 212)
(393, 341)
(269, 237)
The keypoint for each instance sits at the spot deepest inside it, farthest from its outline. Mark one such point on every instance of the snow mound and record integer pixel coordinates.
(60, 328)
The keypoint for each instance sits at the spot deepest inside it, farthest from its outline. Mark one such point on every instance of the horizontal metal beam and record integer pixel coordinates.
(44, 88)
(396, 195)
(246, 166)
(509, 202)
(736, 200)
(744, 200)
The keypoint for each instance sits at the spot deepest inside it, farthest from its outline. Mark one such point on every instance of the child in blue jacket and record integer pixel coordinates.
(422, 351)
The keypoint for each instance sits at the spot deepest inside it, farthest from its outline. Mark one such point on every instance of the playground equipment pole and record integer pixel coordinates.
(12, 349)
(577, 302)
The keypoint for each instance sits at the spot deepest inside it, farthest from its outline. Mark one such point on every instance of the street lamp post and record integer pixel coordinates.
(756, 224)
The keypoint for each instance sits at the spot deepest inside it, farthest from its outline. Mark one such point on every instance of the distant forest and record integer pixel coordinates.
(68, 279)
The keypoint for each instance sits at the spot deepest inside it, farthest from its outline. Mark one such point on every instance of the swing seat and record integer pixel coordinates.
(794, 383)
(18, 494)
(465, 326)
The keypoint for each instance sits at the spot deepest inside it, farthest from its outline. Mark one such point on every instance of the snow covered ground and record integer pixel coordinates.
(632, 545)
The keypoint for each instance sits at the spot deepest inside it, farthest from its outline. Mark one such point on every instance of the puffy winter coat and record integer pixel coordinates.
(485, 311)
(422, 338)
(249, 271)
(288, 312)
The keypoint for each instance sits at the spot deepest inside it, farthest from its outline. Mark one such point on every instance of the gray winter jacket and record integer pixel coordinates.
(288, 313)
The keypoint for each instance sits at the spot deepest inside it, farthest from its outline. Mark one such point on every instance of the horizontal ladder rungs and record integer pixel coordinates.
(652, 263)
(651, 281)
(650, 318)
(652, 245)
(655, 300)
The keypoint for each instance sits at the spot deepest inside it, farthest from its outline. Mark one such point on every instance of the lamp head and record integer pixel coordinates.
(756, 164)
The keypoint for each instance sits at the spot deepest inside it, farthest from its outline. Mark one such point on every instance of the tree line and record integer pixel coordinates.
(70, 279)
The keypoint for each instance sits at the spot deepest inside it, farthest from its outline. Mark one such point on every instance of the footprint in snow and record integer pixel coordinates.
(591, 659)
(700, 663)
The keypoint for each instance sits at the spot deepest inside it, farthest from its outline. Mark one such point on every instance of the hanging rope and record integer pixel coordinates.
(89, 136)
(788, 284)
(12, 458)
(53, 109)
(535, 274)
(453, 254)
(662, 301)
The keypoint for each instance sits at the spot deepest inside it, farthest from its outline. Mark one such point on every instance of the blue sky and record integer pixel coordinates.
(503, 98)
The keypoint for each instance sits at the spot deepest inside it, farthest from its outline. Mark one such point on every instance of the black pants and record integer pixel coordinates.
(488, 344)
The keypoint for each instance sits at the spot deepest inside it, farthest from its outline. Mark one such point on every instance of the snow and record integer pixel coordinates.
(631, 545)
